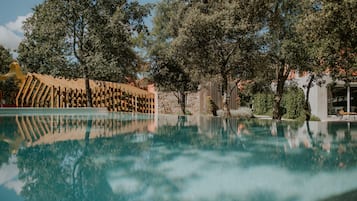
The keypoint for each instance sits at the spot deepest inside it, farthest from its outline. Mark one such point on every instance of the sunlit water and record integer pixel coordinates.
(143, 158)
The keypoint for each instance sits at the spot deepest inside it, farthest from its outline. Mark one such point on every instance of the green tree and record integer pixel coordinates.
(284, 47)
(169, 75)
(8, 87)
(5, 60)
(329, 27)
(166, 23)
(167, 70)
(89, 39)
(219, 40)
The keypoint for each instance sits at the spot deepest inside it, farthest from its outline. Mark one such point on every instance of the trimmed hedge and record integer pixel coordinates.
(293, 102)
(263, 103)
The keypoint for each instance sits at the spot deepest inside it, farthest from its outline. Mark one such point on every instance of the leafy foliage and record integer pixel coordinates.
(263, 103)
(219, 40)
(83, 38)
(167, 69)
(169, 75)
(89, 39)
(330, 28)
(9, 89)
(292, 103)
(5, 60)
(284, 47)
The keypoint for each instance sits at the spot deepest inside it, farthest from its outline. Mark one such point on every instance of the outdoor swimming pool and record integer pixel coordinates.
(109, 156)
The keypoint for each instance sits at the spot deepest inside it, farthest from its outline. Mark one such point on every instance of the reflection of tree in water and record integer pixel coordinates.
(63, 171)
(77, 170)
(9, 140)
(73, 170)
(262, 146)
(305, 157)
(4, 152)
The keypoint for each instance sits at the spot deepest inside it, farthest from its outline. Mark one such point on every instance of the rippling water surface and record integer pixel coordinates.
(143, 158)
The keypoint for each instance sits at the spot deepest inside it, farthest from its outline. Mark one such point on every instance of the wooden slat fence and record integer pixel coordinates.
(213, 90)
(46, 91)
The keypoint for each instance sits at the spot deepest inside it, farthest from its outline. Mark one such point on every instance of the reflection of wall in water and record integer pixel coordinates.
(216, 125)
(53, 128)
(168, 103)
(198, 102)
(334, 129)
(322, 135)
(173, 120)
(206, 124)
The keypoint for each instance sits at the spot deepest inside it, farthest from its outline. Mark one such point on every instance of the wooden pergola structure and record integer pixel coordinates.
(39, 90)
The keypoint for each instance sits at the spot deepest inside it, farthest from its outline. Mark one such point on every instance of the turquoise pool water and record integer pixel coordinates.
(145, 158)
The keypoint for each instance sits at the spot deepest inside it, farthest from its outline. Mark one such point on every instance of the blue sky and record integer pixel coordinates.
(10, 9)
(13, 13)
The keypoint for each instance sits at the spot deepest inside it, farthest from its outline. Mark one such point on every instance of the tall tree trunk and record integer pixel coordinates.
(278, 111)
(307, 107)
(226, 97)
(182, 100)
(87, 86)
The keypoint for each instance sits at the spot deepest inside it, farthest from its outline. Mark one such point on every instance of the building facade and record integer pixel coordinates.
(331, 97)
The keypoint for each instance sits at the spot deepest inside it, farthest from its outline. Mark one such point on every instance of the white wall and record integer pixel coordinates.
(318, 96)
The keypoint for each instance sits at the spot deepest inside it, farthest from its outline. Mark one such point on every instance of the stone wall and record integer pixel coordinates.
(197, 103)
(168, 103)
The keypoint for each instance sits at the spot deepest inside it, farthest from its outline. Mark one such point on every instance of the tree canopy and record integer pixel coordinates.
(167, 69)
(283, 46)
(89, 39)
(232, 39)
(68, 37)
(214, 39)
(5, 59)
(330, 29)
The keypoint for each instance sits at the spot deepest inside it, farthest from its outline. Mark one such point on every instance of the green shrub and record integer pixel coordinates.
(292, 102)
(188, 112)
(263, 103)
(9, 89)
(315, 118)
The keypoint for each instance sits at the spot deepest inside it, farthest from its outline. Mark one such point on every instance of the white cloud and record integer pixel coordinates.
(9, 176)
(11, 34)
(17, 25)
(8, 38)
